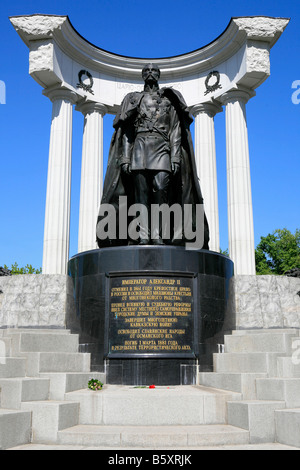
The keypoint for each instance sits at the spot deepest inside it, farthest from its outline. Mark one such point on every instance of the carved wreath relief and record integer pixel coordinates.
(212, 82)
(83, 85)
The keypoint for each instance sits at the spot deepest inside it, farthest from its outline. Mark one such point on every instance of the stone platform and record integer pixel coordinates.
(39, 301)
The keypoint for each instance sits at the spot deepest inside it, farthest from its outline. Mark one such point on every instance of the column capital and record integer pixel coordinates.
(88, 107)
(58, 92)
(238, 94)
(209, 107)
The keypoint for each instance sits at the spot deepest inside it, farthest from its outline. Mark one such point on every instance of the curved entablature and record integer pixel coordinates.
(37, 27)
(239, 56)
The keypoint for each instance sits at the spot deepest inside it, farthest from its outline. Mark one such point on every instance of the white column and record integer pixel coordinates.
(57, 217)
(205, 154)
(91, 173)
(240, 211)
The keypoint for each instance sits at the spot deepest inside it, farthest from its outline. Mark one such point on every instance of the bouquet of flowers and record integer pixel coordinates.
(95, 385)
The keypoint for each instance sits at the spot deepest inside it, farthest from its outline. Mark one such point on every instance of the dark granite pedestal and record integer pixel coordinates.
(152, 314)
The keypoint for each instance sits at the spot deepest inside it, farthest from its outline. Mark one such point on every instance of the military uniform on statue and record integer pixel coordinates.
(151, 158)
(156, 152)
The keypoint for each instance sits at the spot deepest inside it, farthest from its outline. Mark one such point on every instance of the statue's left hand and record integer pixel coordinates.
(175, 168)
(126, 168)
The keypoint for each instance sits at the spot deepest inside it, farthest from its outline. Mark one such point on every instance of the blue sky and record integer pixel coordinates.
(163, 28)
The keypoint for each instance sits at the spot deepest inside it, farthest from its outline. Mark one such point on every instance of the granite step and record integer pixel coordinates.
(38, 363)
(244, 383)
(14, 391)
(253, 362)
(287, 424)
(65, 382)
(49, 417)
(256, 416)
(284, 389)
(44, 342)
(41, 331)
(276, 342)
(267, 331)
(15, 428)
(152, 436)
(162, 406)
(289, 367)
(12, 367)
(252, 447)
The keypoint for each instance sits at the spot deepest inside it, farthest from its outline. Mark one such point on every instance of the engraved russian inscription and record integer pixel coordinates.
(151, 316)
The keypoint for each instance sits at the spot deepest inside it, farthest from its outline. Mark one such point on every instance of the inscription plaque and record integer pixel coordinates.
(151, 315)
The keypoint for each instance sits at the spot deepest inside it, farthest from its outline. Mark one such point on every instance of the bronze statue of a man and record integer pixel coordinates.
(151, 160)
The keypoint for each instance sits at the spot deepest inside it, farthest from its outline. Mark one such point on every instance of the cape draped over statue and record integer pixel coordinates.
(117, 183)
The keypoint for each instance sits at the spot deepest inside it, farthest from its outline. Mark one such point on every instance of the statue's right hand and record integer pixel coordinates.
(126, 168)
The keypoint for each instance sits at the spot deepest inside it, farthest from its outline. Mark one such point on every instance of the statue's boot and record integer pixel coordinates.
(159, 197)
(145, 238)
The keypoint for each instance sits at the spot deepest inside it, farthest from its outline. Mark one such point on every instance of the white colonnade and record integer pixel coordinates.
(222, 75)
(57, 220)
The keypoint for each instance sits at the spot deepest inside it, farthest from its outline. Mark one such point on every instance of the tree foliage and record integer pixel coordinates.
(278, 252)
(27, 270)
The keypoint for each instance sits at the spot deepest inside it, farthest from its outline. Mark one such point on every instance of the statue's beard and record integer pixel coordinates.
(150, 80)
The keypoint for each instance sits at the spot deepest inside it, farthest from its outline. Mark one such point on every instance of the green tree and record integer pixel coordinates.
(27, 270)
(278, 252)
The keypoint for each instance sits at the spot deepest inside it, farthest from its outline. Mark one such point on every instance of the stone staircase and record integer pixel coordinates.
(161, 417)
(263, 366)
(252, 397)
(39, 367)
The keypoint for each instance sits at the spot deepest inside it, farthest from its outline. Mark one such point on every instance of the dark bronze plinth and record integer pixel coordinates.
(144, 313)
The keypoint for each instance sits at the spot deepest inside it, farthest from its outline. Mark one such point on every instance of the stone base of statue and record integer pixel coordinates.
(150, 314)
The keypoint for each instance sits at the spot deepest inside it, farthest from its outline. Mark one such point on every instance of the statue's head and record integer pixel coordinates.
(150, 73)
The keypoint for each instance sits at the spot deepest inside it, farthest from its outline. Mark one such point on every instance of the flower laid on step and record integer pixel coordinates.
(95, 385)
(152, 386)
